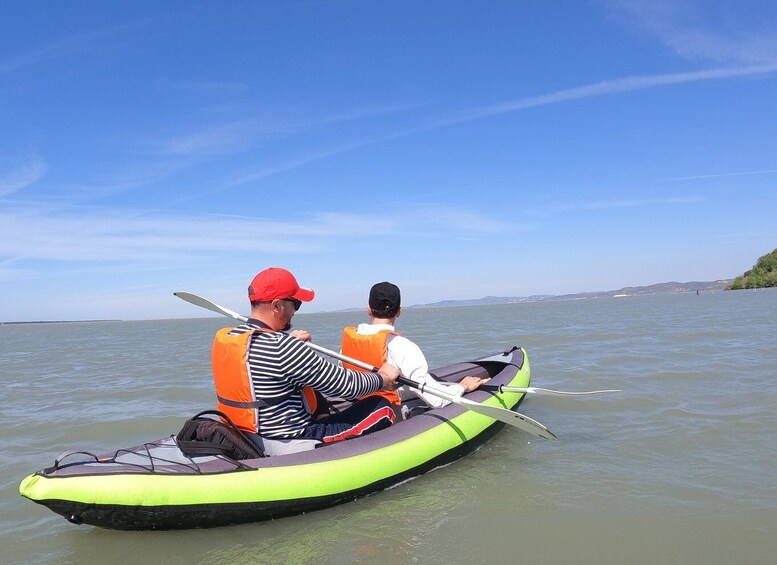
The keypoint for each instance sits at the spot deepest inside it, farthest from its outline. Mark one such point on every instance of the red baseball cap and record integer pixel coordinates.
(275, 283)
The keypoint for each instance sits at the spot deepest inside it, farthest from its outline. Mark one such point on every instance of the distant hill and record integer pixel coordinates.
(762, 275)
(675, 287)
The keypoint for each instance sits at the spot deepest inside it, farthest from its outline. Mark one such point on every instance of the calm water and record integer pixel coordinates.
(677, 468)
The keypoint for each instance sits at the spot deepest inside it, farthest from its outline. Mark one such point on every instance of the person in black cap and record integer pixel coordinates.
(378, 342)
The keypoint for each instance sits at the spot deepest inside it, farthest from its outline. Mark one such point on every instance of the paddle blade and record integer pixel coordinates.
(208, 305)
(515, 419)
(549, 392)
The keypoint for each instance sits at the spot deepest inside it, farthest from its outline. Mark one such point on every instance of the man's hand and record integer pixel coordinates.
(389, 373)
(472, 383)
(302, 335)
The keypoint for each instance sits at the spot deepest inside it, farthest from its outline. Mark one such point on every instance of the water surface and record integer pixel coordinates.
(677, 468)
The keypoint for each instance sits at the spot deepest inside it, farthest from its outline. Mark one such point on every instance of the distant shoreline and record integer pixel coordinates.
(659, 288)
(667, 287)
(57, 322)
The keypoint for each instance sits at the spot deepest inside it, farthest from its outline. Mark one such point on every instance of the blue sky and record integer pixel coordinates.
(459, 149)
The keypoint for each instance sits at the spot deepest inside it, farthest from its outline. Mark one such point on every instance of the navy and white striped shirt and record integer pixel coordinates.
(280, 366)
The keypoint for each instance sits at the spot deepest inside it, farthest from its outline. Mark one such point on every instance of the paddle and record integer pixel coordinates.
(507, 416)
(515, 419)
(545, 391)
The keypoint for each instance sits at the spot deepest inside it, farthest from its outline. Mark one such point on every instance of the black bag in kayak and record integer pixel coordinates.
(206, 436)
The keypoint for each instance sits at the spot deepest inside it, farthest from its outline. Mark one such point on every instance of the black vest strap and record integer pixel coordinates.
(255, 404)
(236, 404)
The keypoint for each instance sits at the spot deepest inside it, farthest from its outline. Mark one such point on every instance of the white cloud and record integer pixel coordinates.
(456, 221)
(249, 175)
(636, 203)
(602, 88)
(22, 176)
(718, 175)
(706, 31)
(9, 273)
(614, 86)
(216, 140)
(241, 134)
(109, 235)
(612, 204)
(104, 235)
(64, 47)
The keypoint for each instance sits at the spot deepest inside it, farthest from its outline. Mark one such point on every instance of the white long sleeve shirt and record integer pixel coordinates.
(409, 359)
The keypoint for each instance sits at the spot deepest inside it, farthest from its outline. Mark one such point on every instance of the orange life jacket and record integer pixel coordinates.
(371, 349)
(232, 377)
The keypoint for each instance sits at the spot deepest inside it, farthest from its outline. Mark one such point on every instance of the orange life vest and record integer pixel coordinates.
(371, 349)
(232, 377)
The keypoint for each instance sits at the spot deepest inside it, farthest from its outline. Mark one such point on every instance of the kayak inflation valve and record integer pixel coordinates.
(74, 519)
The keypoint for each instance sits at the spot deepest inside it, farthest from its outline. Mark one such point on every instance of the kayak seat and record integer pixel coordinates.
(271, 447)
(413, 407)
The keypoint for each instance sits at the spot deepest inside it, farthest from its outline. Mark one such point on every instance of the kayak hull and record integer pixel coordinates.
(155, 486)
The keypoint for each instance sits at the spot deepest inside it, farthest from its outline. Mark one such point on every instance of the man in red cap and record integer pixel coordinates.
(265, 378)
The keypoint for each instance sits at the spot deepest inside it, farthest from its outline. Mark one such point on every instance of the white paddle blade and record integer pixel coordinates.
(208, 305)
(515, 419)
(549, 392)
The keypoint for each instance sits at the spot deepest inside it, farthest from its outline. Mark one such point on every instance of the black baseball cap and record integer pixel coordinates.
(384, 296)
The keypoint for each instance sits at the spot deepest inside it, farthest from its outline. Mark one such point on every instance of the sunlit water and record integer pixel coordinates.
(680, 467)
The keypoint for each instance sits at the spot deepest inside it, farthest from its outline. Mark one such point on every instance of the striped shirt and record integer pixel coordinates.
(281, 366)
